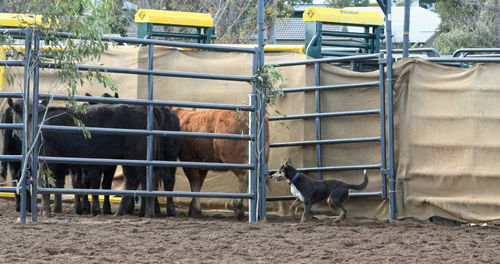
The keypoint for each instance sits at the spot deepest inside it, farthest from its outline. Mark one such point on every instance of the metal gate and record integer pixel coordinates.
(30, 158)
(385, 139)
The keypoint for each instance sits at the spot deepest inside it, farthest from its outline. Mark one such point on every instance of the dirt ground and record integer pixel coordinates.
(219, 238)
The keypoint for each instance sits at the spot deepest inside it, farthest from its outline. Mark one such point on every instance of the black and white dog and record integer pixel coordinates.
(309, 191)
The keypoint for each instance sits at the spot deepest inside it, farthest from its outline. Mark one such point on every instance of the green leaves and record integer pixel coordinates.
(465, 24)
(47, 178)
(267, 79)
(87, 21)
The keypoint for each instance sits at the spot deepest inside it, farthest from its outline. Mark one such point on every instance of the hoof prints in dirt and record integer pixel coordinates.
(219, 238)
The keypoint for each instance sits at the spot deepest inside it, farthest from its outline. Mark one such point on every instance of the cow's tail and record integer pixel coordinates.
(362, 185)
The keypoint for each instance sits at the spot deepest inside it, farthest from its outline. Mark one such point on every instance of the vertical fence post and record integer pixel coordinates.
(382, 125)
(34, 164)
(149, 201)
(392, 184)
(253, 150)
(26, 95)
(406, 31)
(263, 163)
(317, 95)
(261, 125)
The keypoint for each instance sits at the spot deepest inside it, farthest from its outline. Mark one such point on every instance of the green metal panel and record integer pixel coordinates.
(202, 35)
(142, 30)
(313, 38)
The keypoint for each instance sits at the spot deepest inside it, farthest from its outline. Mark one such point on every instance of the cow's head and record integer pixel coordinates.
(18, 111)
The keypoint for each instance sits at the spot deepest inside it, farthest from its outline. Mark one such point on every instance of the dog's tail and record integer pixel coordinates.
(362, 185)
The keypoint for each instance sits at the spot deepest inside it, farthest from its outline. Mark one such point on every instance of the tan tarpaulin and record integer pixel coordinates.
(449, 148)
(446, 119)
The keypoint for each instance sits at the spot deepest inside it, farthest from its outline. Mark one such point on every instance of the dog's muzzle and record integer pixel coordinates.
(277, 176)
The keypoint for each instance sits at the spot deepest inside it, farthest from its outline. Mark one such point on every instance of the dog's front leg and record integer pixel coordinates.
(292, 207)
(305, 215)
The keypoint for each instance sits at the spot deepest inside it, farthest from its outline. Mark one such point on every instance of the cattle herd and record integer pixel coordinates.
(126, 146)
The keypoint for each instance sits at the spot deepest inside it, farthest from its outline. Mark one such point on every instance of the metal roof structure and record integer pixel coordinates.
(292, 28)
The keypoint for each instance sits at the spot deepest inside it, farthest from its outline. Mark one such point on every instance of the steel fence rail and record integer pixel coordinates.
(325, 114)
(155, 72)
(464, 60)
(110, 100)
(156, 163)
(11, 126)
(12, 31)
(145, 132)
(11, 95)
(146, 193)
(336, 168)
(330, 87)
(324, 142)
(11, 63)
(464, 51)
(8, 189)
(157, 42)
(10, 157)
(351, 194)
(326, 60)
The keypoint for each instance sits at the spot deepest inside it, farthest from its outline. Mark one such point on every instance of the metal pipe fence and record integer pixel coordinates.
(30, 106)
(318, 115)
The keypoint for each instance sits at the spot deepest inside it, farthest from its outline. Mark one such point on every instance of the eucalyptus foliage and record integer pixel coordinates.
(466, 24)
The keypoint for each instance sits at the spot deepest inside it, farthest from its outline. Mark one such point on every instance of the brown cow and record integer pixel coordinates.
(215, 150)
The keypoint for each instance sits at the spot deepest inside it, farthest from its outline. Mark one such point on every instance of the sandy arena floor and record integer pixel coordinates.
(219, 238)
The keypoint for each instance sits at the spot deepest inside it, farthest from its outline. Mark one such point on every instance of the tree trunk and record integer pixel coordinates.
(271, 22)
(496, 9)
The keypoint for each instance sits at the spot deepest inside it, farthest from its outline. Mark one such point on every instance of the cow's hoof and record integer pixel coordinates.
(96, 211)
(86, 211)
(47, 214)
(194, 213)
(171, 211)
(239, 213)
(106, 210)
(78, 211)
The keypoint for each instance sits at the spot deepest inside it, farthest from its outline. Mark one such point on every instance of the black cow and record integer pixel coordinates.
(12, 145)
(89, 177)
(107, 146)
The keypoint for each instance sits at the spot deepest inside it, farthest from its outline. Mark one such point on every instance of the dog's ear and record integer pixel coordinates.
(87, 94)
(289, 162)
(116, 95)
(17, 107)
(10, 102)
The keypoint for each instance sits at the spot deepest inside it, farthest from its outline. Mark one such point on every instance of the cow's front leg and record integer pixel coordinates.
(239, 211)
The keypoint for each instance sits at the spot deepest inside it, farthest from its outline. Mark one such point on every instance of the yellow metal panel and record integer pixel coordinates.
(173, 18)
(298, 48)
(342, 16)
(19, 20)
